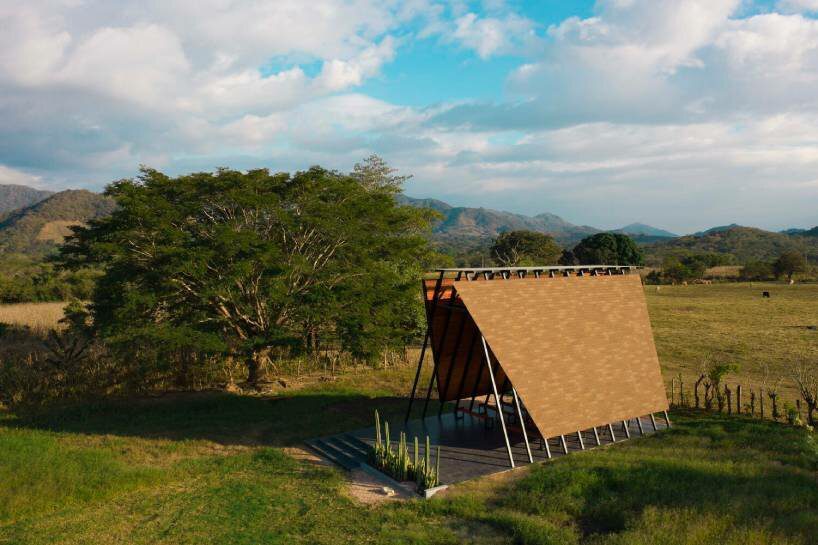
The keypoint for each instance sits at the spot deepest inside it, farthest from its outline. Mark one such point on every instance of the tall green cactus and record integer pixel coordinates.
(437, 467)
(378, 438)
(398, 463)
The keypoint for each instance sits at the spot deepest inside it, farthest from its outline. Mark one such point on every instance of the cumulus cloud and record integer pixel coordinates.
(124, 83)
(606, 119)
(10, 176)
(798, 6)
(490, 36)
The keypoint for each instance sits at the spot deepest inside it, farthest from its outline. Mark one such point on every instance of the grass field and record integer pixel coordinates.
(35, 315)
(219, 468)
(730, 321)
(216, 468)
(733, 323)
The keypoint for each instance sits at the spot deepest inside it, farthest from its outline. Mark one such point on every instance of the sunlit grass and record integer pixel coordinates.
(734, 323)
(214, 469)
(41, 316)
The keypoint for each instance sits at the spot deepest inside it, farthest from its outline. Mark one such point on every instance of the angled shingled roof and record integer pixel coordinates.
(577, 348)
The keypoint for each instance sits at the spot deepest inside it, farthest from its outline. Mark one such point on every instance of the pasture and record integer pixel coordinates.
(730, 322)
(733, 323)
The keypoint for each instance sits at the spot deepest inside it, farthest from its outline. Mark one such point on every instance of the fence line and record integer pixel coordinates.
(750, 402)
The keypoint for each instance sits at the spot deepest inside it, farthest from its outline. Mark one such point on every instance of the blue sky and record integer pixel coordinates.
(679, 113)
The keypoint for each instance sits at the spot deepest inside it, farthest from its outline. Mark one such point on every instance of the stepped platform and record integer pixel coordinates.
(472, 445)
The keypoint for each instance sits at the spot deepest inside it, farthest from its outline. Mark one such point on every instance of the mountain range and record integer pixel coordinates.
(34, 222)
(37, 228)
(13, 197)
(461, 223)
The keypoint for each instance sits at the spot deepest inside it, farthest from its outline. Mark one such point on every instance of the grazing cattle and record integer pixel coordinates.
(765, 294)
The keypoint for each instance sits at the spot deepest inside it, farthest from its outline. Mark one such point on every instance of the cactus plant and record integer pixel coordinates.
(398, 462)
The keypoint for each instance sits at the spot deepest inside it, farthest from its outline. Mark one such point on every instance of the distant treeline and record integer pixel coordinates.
(24, 279)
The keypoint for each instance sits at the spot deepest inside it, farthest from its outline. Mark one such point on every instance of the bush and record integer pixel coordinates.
(757, 270)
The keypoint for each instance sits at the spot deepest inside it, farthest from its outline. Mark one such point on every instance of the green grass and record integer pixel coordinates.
(734, 323)
(215, 468)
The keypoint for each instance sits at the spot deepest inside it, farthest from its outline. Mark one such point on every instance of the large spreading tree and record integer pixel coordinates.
(608, 249)
(242, 263)
(522, 247)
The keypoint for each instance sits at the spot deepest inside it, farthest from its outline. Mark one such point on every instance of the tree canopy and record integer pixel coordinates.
(789, 263)
(607, 249)
(525, 248)
(242, 263)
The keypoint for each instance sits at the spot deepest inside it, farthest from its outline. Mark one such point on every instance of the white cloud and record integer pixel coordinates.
(30, 44)
(338, 74)
(798, 6)
(490, 36)
(10, 176)
(609, 119)
(142, 63)
(133, 81)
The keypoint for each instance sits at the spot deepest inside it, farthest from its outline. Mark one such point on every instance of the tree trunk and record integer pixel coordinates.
(253, 369)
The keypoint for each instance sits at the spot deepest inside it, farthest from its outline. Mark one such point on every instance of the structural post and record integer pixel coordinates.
(581, 442)
(639, 424)
(564, 444)
(417, 377)
(653, 421)
(627, 431)
(613, 437)
(522, 424)
(667, 420)
(497, 399)
(427, 339)
(596, 437)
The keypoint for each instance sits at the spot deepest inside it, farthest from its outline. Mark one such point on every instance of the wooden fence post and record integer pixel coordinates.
(738, 399)
(752, 403)
(729, 399)
(761, 401)
(798, 408)
(672, 391)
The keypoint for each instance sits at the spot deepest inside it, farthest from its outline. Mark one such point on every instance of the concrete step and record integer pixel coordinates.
(333, 454)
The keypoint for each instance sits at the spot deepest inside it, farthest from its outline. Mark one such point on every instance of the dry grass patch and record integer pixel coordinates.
(35, 315)
(56, 231)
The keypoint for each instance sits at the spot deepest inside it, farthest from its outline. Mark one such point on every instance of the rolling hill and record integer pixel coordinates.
(640, 229)
(470, 225)
(13, 197)
(38, 226)
(37, 229)
(744, 243)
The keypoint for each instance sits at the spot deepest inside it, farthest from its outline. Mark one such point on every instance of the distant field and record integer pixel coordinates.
(728, 321)
(734, 323)
(36, 315)
(56, 231)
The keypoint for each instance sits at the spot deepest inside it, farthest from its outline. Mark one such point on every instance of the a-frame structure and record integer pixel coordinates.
(549, 350)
